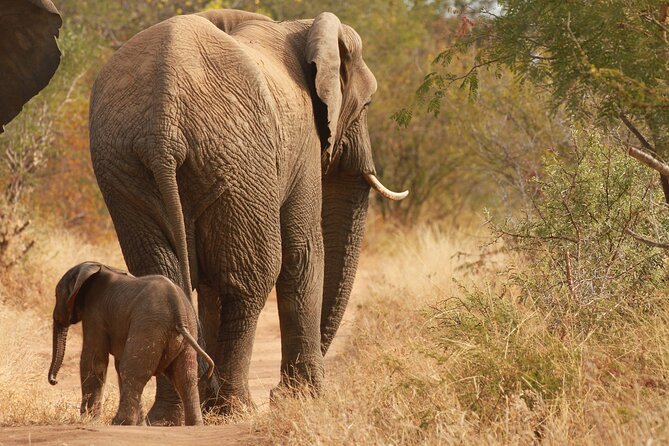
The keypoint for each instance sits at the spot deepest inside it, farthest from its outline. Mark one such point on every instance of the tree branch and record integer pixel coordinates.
(647, 241)
(632, 128)
(452, 78)
(537, 237)
(570, 277)
(649, 160)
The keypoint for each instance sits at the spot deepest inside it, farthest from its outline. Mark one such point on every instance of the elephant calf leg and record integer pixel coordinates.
(130, 404)
(167, 410)
(137, 365)
(93, 369)
(129, 409)
(183, 373)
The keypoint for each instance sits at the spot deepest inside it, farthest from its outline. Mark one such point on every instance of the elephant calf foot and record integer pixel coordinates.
(166, 415)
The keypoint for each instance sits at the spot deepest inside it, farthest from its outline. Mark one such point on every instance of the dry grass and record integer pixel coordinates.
(26, 303)
(21, 392)
(31, 284)
(25, 396)
(435, 361)
(438, 354)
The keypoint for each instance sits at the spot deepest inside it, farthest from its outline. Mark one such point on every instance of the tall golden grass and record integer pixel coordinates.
(444, 352)
(443, 349)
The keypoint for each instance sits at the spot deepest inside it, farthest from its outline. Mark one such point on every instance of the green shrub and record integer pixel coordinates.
(580, 272)
(587, 235)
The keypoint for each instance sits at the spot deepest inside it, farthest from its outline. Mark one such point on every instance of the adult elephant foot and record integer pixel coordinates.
(227, 402)
(238, 320)
(305, 376)
(167, 410)
(302, 380)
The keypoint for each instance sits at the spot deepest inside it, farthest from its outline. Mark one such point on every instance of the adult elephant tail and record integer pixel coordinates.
(166, 177)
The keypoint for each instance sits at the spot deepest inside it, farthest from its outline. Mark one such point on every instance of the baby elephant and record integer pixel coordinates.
(146, 323)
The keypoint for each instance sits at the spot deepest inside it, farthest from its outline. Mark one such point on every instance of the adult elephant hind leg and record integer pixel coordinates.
(146, 250)
(209, 313)
(239, 319)
(240, 258)
(300, 288)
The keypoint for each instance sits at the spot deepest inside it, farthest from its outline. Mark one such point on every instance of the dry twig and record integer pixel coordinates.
(647, 241)
(570, 276)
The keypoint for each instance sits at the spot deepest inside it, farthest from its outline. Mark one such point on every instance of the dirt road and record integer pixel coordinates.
(264, 376)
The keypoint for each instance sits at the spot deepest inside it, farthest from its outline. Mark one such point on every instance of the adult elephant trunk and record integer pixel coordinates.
(58, 352)
(345, 200)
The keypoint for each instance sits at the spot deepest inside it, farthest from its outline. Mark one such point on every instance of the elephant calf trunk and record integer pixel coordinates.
(58, 353)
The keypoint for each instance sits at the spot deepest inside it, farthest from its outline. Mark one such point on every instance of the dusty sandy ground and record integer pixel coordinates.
(264, 376)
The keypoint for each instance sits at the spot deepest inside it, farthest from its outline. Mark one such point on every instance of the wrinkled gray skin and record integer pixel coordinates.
(230, 150)
(29, 54)
(146, 323)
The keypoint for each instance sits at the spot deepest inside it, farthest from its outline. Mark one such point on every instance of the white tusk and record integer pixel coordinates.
(383, 190)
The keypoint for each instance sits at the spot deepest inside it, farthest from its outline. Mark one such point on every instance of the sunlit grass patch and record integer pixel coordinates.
(478, 360)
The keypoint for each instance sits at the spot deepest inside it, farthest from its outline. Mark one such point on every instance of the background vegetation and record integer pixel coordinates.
(517, 296)
(458, 162)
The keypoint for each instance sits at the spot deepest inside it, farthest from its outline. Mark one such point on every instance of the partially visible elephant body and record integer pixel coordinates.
(209, 136)
(29, 55)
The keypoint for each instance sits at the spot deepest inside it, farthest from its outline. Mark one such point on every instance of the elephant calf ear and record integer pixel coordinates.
(29, 54)
(323, 51)
(80, 274)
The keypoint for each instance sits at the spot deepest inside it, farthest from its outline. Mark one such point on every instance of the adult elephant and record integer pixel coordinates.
(29, 54)
(233, 150)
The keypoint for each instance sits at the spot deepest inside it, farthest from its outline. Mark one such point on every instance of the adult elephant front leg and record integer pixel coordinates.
(300, 285)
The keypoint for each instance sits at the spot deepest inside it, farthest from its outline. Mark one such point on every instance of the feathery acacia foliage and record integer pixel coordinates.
(605, 61)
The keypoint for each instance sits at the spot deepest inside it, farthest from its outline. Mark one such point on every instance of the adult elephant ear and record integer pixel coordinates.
(29, 54)
(325, 51)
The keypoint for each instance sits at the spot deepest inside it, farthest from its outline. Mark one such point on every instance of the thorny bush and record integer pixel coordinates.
(594, 235)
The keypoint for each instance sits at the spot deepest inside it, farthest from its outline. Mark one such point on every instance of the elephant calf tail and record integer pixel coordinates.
(187, 336)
